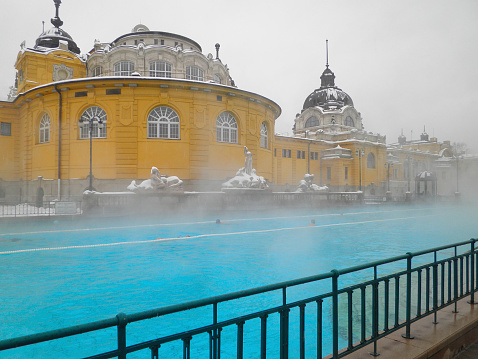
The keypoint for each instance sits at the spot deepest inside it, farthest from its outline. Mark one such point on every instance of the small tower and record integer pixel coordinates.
(424, 136)
(54, 57)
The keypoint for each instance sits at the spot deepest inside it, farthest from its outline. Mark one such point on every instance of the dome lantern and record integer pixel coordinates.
(52, 37)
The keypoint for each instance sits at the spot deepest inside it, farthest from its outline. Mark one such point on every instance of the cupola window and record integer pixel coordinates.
(97, 71)
(226, 128)
(160, 69)
(312, 122)
(217, 79)
(194, 73)
(124, 68)
(349, 121)
(163, 122)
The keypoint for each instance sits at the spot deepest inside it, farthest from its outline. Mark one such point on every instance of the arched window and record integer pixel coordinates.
(163, 122)
(194, 73)
(124, 68)
(98, 116)
(349, 121)
(371, 160)
(97, 71)
(44, 129)
(217, 79)
(226, 128)
(312, 121)
(263, 135)
(160, 69)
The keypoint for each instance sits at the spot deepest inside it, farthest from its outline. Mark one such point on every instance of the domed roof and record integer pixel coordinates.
(328, 96)
(51, 38)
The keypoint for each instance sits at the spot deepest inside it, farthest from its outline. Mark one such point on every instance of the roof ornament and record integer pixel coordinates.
(327, 53)
(217, 51)
(56, 21)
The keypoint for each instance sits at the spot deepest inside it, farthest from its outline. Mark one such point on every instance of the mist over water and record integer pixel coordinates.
(60, 273)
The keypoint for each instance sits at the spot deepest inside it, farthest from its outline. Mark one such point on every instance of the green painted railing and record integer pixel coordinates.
(430, 285)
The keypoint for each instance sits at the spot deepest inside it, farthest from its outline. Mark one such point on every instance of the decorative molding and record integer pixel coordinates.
(62, 72)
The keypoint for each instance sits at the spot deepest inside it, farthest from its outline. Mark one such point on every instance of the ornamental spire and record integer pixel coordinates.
(56, 21)
(327, 53)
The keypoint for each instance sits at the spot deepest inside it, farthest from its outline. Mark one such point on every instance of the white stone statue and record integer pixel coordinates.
(246, 177)
(248, 161)
(155, 183)
(306, 185)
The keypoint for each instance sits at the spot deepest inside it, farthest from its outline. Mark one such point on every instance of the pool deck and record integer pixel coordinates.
(452, 337)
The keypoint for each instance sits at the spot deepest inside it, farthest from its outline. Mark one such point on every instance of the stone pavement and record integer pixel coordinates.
(445, 340)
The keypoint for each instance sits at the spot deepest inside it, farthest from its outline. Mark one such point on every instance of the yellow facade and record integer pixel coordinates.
(57, 84)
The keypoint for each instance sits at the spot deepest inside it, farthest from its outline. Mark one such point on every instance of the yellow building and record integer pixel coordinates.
(154, 99)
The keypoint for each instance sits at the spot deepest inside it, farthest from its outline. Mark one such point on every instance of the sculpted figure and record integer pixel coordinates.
(248, 161)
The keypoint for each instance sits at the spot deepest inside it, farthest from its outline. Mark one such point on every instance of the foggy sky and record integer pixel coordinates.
(405, 63)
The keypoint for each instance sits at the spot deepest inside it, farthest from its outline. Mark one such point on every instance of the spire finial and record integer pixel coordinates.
(327, 53)
(56, 21)
(217, 51)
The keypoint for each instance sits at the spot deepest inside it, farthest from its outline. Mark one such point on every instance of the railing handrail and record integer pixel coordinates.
(123, 319)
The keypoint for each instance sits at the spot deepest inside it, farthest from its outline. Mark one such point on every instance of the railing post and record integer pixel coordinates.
(375, 312)
(284, 327)
(409, 297)
(472, 272)
(335, 314)
(122, 321)
(435, 289)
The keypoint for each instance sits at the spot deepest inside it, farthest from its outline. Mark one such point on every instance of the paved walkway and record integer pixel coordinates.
(445, 340)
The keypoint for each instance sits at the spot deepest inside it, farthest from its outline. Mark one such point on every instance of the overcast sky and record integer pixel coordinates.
(405, 63)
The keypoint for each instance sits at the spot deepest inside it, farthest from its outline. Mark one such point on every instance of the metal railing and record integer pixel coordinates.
(48, 208)
(397, 292)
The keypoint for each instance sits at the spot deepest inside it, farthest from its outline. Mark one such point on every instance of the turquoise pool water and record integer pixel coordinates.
(56, 273)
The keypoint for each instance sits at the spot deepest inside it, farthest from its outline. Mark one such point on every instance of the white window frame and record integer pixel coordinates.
(44, 131)
(163, 122)
(226, 128)
(194, 73)
(93, 113)
(160, 69)
(97, 71)
(217, 79)
(313, 119)
(264, 136)
(124, 68)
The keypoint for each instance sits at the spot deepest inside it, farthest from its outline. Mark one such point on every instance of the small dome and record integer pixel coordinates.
(328, 96)
(51, 39)
(140, 28)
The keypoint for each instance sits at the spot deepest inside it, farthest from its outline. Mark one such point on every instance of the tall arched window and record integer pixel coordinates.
(97, 71)
(371, 160)
(312, 121)
(226, 128)
(264, 135)
(95, 114)
(124, 68)
(163, 122)
(194, 73)
(44, 129)
(160, 69)
(217, 79)
(349, 121)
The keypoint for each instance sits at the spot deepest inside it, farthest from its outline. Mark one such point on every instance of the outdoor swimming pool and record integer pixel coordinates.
(58, 273)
